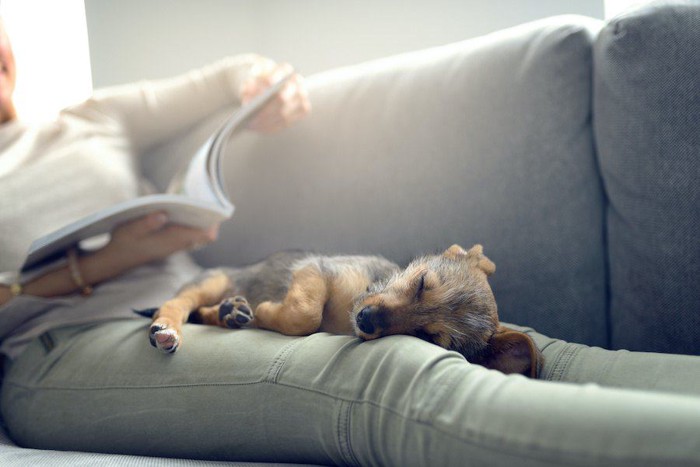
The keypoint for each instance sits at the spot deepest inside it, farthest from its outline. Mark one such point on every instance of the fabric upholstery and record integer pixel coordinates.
(647, 120)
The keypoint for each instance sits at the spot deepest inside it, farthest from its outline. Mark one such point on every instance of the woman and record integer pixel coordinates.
(81, 375)
(142, 120)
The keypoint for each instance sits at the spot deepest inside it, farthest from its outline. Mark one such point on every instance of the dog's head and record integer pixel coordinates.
(446, 299)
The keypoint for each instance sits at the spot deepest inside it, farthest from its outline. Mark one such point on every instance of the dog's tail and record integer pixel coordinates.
(145, 312)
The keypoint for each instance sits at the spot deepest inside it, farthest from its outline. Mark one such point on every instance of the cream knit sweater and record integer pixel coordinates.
(86, 160)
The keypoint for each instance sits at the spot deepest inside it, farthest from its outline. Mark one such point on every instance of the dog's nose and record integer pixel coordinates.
(364, 320)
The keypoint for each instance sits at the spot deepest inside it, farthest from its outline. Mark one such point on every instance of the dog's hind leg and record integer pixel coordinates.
(301, 310)
(165, 332)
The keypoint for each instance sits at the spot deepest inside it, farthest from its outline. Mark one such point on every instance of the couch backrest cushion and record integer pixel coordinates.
(486, 141)
(647, 125)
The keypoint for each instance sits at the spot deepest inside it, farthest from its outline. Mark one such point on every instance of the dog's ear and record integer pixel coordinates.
(512, 351)
(454, 252)
(475, 253)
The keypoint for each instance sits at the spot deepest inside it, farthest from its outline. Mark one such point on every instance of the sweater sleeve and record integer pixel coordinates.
(152, 112)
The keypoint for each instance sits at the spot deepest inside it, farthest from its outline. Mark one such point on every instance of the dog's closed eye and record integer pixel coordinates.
(421, 286)
(426, 281)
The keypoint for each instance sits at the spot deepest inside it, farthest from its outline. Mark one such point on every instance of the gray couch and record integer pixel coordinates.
(569, 148)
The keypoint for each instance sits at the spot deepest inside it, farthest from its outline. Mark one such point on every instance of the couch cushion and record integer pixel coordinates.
(647, 125)
(487, 140)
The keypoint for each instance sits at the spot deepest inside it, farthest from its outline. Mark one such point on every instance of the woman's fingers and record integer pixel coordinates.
(150, 238)
(141, 226)
(174, 238)
(288, 108)
(290, 105)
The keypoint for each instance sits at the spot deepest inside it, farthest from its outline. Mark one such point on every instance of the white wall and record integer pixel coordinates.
(135, 39)
(616, 7)
(50, 42)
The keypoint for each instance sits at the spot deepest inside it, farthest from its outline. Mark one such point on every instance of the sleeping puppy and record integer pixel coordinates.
(444, 299)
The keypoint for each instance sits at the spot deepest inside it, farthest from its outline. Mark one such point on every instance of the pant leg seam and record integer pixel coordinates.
(32, 387)
(490, 443)
(340, 432)
(343, 433)
(439, 395)
(563, 361)
(474, 438)
(280, 359)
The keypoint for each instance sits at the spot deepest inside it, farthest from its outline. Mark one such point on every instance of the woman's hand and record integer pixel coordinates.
(148, 239)
(133, 244)
(290, 105)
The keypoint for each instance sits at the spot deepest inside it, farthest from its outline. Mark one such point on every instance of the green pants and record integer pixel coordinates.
(260, 396)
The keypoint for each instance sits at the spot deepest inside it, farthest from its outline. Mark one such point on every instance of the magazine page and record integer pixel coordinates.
(196, 196)
(194, 180)
(202, 178)
(180, 210)
(238, 122)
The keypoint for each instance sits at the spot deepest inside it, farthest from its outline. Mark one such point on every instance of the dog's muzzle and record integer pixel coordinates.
(364, 320)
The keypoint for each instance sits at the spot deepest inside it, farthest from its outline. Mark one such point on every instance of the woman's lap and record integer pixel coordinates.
(257, 395)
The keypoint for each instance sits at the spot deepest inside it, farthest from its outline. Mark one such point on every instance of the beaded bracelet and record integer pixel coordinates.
(85, 289)
(16, 289)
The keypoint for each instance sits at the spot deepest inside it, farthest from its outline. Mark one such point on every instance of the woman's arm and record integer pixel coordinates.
(154, 111)
(133, 244)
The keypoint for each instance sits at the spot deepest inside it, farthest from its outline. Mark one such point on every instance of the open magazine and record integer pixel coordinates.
(196, 196)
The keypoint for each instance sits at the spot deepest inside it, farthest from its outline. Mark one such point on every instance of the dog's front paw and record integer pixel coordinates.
(235, 312)
(164, 337)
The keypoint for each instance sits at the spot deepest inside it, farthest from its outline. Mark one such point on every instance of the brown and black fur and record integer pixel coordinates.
(444, 299)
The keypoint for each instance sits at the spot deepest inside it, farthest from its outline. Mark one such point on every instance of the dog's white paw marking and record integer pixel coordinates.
(164, 338)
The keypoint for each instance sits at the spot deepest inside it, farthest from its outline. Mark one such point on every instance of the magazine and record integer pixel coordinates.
(195, 197)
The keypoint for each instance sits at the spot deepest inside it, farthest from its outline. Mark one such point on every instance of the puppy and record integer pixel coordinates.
(444, 299)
